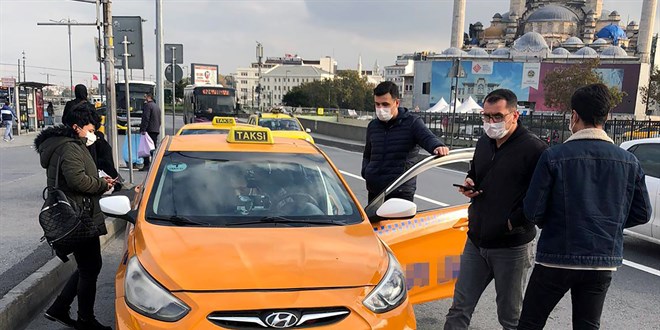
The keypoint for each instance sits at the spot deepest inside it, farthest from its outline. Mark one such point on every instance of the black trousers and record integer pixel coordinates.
(407, 195)
(154, 137)
(83, 281)
(548, 285)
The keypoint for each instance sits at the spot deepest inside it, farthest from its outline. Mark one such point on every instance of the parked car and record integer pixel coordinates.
(647, 152)
(643, 133)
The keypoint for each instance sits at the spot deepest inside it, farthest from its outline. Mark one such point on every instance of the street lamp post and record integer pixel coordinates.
(260, 55)
(286, 86)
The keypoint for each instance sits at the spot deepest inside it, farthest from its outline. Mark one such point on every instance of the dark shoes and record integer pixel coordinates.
(91, 324)
(60, 316)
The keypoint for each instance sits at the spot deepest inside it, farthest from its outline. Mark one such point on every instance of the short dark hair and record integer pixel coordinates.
(387, 87)
(592, 103)
(81, 115)
(149, 95)
(503, 94)
(6, 102)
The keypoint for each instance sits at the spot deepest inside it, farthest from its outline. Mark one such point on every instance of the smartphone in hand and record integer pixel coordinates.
(464, 187)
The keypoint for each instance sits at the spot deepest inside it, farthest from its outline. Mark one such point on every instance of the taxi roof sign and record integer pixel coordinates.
(256, 135)
(224, 121)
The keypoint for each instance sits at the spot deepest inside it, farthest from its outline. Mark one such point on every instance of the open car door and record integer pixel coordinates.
(429, 245)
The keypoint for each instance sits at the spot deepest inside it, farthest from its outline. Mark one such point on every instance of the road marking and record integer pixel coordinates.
(643, 268)
(426, 199)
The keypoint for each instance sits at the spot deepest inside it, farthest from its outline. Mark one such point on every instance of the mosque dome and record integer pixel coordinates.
(493, 32)
(553, 13)
(613, 32)
(600, 42)
(560, 51)
(614, 51)
(573, 41)
(633, 23)
(604, 14)
(476, 51)
(501, 52)
(530, 41)
(587, 52)
(453, 51)
(497, 15)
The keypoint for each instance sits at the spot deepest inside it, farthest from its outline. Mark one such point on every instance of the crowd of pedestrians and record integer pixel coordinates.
(581, 194)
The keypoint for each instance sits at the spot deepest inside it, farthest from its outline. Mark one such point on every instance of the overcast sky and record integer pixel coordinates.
(224, 32)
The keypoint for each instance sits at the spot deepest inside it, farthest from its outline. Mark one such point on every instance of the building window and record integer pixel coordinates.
(426, 88)
(244, 74)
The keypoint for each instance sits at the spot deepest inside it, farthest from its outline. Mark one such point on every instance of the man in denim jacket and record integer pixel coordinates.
(583, 194)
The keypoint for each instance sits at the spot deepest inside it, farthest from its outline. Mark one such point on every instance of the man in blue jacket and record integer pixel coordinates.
(392, 144)
(8, 117)
(583, 194)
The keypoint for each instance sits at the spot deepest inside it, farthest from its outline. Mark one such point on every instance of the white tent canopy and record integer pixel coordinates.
(470, 106)
(438, 107)
(450, 108)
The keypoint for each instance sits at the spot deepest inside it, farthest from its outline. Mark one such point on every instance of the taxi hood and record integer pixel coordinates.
(291, 134)
(193, 258)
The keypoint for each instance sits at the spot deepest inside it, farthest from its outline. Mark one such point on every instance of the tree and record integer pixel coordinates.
(561, 83)
(348, 90)
(651, 93)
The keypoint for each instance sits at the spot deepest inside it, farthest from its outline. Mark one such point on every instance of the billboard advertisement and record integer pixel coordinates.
(478, 78)
(624, 77)
(204, 74)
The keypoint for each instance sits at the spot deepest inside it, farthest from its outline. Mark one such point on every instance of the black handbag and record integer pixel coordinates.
(65, 224)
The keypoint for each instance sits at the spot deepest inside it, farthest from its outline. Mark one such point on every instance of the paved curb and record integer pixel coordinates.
(26, 299)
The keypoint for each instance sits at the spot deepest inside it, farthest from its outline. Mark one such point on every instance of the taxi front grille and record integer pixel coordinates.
(299, 318)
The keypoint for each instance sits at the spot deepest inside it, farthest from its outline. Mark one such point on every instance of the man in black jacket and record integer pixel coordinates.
(150, 123)
(392, 144)
(499, 237)
(80, 91)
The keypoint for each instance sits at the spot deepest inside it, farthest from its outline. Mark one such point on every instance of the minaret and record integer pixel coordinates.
(596, 6)
(359, 68)
(376, 69)
(646, 27)
(518, 7)
(458, 24)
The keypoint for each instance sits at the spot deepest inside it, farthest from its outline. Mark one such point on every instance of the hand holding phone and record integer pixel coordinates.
(464, 187)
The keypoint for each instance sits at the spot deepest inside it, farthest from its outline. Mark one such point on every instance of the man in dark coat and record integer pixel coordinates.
(150, 123)
(392, 144)
(80, 91)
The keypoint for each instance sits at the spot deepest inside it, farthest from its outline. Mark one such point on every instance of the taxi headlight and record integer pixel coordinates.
(148, 298)
(390, 292)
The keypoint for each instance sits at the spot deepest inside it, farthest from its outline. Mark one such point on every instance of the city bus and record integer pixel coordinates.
(136, 90)
(203, 102)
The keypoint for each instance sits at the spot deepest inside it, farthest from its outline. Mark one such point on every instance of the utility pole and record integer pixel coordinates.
(24, 67)
(160, 54)
(111, 120)
(260, 55)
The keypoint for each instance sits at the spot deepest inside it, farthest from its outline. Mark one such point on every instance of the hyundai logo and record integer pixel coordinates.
(281, 320)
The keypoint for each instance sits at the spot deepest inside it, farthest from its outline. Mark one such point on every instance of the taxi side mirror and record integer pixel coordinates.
(308, 130)
(118, 207)
(397, 208)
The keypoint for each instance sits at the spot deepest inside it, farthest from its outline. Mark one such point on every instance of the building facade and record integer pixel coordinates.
(279, 80)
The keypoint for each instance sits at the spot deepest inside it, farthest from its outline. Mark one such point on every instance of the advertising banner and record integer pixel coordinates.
(204, 74)
(482, 67)
(530, 75)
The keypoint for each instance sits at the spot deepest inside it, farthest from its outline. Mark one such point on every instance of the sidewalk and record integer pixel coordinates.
(25, 139)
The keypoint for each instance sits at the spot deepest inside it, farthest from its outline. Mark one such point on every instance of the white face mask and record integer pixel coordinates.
(384, 114)
(496, 130)
(571, 124)
(91, 138)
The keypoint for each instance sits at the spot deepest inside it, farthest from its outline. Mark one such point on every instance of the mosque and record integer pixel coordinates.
(533, 37)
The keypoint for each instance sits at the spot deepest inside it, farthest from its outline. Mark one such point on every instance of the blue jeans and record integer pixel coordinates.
(548, 285)
(8, 133)
(479, 266)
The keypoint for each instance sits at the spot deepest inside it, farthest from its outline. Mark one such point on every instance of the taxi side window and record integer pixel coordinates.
(648, 155)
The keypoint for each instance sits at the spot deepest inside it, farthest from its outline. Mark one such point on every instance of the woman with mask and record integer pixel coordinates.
(78, 178)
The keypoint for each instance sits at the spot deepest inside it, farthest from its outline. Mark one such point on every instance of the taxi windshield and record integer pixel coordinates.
(204, 131)
(284, 124)
(227, 188)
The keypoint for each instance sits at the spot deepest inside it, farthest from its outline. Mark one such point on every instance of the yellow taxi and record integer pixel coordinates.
(244, 231)
(219, 125)
(643, 133)
(281, 125)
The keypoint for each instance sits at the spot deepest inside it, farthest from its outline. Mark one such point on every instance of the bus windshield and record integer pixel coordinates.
(136, 93)
(218, 104)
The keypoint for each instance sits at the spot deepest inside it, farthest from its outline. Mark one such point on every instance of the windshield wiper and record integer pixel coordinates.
(178, 220)
(281, 219)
